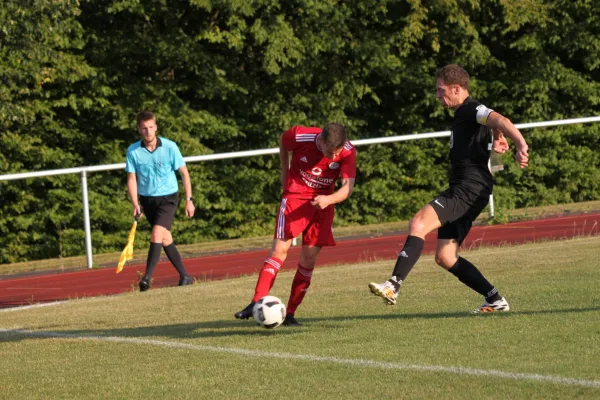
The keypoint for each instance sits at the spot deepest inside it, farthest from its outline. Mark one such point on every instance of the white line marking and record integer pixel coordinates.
(313, 358)
(54, 303)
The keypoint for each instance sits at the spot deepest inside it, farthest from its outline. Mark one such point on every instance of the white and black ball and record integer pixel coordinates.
(269, 312)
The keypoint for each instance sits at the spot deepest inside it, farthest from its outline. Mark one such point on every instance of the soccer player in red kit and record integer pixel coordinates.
(319, 158)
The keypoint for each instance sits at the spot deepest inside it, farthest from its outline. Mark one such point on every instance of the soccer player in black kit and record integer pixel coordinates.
(476, 130)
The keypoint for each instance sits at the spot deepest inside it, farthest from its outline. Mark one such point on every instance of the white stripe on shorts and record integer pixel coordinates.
(281, 220)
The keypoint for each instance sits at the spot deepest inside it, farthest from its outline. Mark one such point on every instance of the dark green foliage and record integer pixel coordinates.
(230, 75)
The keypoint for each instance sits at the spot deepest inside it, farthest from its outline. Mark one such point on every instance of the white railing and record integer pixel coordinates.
(238, 154)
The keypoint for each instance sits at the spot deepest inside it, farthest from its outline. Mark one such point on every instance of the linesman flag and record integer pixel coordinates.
(127, 253)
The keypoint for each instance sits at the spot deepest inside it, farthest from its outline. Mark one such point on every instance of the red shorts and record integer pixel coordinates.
(298, 216)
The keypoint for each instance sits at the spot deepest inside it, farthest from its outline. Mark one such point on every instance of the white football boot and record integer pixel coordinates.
(385, 290)
(500, 305)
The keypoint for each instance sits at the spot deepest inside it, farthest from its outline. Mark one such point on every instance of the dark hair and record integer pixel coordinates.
(334, 134)
(145, 116)
(453, 74)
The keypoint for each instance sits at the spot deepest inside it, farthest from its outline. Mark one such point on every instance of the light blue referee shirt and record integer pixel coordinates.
(155, 171)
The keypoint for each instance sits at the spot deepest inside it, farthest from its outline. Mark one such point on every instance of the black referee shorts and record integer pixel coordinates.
(457, 209)
(160, 210)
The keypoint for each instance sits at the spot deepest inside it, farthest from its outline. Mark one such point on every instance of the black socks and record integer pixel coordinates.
(172, 254)
(152, 260)
(408, 257)
(175, 258)
(468, 274)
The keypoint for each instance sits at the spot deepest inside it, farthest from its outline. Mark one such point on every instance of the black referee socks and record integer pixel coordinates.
(175, 258)
(153, 258)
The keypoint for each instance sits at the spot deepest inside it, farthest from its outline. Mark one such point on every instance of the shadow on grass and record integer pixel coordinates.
(212, 329)
(443, 315)
(196, 330)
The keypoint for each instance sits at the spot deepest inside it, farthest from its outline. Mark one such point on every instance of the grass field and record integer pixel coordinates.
(183, 343)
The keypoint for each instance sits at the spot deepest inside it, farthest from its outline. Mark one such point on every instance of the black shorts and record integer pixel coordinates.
(457, 209)
(160, 210)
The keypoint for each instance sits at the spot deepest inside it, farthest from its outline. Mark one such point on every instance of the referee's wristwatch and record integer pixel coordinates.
(189, 198)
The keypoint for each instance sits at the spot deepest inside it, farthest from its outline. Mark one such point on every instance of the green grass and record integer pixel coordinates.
(552, 330)
(263, 242)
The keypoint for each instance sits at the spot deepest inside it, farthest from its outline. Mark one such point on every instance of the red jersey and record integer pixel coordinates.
(311, 173)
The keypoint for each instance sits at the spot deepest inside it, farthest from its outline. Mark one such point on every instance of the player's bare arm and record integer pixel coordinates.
(345, 190)
(284, 158)
(496, 121)
(133, 193)
(500, 144)
(187, 186)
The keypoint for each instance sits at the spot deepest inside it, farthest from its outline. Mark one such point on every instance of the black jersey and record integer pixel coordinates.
(470, 148)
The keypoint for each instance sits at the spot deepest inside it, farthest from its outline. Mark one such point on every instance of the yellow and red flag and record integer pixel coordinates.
(127, 253)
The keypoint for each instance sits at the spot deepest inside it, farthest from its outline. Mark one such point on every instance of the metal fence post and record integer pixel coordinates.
(491, 202)
(86, 219)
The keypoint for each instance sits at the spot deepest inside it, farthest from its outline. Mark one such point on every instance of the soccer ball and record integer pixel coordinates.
(269, 312)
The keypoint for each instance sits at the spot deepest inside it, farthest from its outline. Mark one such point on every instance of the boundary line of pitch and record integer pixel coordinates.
(360, 363)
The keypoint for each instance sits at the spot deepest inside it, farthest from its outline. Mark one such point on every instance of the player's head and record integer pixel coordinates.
(332, 140)
(146, 125)
(451, 85)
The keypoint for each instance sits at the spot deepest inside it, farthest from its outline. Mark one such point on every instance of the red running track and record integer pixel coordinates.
(48, 287)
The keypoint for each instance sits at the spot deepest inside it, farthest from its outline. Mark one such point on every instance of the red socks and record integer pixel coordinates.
(300, 286)
(266, 278)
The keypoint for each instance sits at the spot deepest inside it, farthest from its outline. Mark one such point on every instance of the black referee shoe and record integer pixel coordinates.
(246, 312)
(144, 285)
(290, 321)
(186, 280)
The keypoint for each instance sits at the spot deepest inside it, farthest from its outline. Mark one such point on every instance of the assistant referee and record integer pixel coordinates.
(153, 189)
